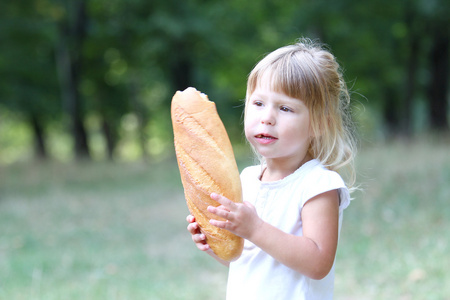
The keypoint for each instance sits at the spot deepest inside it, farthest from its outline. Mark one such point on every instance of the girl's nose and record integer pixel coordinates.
(268, 117)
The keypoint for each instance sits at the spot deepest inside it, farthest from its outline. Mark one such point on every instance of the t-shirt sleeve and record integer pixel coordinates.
(323, 181)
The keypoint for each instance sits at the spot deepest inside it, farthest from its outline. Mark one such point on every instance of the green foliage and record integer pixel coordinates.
(14, 136)
(135, 54)
(26, 63)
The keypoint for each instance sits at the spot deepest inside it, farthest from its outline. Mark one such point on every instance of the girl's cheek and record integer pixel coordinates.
(246, 126)
(246, 132)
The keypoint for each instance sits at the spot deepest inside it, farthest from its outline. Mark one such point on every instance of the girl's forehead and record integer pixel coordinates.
(278, 82)
(269, 80)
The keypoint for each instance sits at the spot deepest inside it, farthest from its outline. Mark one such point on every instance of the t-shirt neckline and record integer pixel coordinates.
(303, 168)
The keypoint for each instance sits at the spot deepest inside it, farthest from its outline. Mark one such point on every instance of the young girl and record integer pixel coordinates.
(296, 119)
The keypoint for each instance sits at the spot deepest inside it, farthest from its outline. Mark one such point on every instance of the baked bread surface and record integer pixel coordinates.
(207, 165)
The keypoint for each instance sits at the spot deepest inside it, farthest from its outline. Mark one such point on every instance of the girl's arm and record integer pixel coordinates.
(311, 254)
(200, 240)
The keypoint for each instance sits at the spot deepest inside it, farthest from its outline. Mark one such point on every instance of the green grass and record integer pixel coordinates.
(118, 231)
(99, 232)
(395, 239)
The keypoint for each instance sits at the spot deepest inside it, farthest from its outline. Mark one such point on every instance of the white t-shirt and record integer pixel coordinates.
(256, 275)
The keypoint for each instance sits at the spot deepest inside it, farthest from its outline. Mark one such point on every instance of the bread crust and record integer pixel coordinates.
(207, 165)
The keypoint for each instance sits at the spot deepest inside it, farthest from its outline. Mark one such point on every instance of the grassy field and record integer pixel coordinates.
(117, 231)
(395, 241)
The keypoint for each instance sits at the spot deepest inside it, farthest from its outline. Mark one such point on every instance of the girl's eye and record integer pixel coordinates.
(257, 103)
(285, 109)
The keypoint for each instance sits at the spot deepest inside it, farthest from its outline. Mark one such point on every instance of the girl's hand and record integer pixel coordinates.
(199, 239)
(240, 218)
(197, 236)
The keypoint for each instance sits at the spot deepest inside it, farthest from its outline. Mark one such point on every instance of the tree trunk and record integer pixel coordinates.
(69, 57)
(40, 149)
(142, 118)
(181, 67)
(438, 88)
(391, 113)
(411, 69)
(110, 140)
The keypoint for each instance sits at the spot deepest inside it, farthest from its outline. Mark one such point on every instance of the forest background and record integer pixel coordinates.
(91, 203)
(94, 79)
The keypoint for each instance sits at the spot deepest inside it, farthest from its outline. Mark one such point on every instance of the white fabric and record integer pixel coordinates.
(256, 275)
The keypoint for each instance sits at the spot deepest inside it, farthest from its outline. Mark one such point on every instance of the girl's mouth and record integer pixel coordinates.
(265, 138)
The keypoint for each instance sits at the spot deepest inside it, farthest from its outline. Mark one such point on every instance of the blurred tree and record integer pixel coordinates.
(437, 28)
(439, 79)
(109, 46)
(413, 43)
(384, 45)
(117, 59)
(28, 78)
(69, 59)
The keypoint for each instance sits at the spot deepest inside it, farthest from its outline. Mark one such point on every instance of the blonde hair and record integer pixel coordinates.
(307, 71)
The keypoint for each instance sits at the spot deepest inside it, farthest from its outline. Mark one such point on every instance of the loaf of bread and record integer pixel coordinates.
(207, 165)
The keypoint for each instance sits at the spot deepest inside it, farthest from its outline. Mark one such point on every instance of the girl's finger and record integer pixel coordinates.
(193, 228)
(220, 224)
(199, 238)
(223, 213)
(203, 247)
(227, 203)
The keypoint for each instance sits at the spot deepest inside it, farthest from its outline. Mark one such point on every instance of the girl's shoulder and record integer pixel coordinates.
(317, 171)
(320, 180)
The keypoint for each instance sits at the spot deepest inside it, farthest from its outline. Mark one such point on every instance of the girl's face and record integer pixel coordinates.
(277, 125)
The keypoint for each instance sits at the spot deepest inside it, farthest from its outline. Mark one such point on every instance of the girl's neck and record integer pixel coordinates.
(279, 169)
